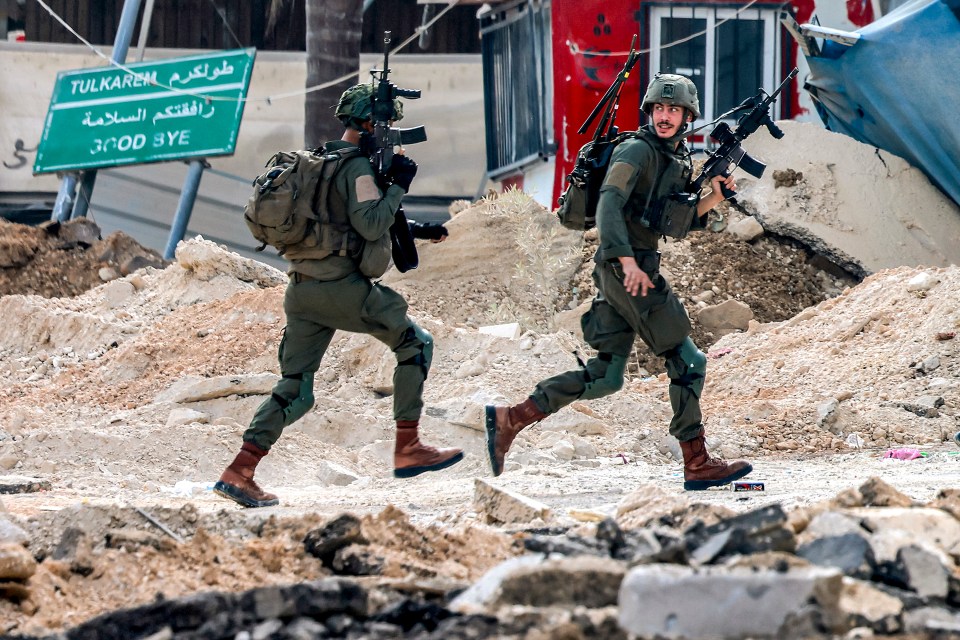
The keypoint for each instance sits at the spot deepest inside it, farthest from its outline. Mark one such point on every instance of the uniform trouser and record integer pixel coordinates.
(615, 318)
(315, 311)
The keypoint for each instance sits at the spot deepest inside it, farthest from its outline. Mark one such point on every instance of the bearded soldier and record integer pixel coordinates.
(648, 182)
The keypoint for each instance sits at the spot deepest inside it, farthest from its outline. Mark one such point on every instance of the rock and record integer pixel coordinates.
(726, 317)
(323, 543)
(184, 415)
(831, 524)
(108, 274)
(357, 560)
(510, 330)
(500, 505)
(586, 581)
(922, 282)
(924, 571)
(10, 533)
(925, 406)
(22, 484)
(332, 474)
(851, 553)
(877, 493)
(16, 563)
(486, 590)
(656, 600)
(195, 389)
(746, 229)
(866, 606)
(918, 525)
(574, 422)
(118, 293)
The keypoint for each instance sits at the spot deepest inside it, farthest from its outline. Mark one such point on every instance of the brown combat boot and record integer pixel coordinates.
(237, 482)
(411, 457)
(701, 471)
(503, 425)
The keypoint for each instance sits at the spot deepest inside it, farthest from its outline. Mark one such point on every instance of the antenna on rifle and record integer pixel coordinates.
(611, 99)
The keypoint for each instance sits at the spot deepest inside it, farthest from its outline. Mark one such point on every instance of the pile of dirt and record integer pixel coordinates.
(56, 260)
(128, 397)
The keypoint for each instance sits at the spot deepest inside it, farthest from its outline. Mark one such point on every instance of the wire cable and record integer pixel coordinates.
(223, 18)
(266, 99)
(574, 49)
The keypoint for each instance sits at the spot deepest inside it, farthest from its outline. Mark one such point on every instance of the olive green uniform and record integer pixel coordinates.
(615, 318)
(329, 293)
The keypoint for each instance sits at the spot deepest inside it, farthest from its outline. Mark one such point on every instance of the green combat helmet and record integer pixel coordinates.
(670, 88)
(356, 106)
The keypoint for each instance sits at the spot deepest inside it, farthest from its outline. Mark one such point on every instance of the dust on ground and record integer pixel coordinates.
(130, 396)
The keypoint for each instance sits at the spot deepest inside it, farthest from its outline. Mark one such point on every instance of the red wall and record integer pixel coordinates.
(582, 32)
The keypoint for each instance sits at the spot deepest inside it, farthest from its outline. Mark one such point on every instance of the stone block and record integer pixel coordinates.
(679, 602)
(502, 505)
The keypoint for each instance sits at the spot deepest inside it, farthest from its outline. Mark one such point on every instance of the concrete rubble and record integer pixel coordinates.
(822, 571)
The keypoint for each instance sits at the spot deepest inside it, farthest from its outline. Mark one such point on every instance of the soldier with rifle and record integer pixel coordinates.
(647, 191)
(329, 292)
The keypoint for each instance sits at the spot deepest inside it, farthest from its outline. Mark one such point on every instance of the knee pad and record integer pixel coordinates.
(416, 338)
(610, 382)
(687, 366)
(300, 387)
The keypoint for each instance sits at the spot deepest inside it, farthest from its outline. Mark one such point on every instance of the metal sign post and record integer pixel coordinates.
(128, 18)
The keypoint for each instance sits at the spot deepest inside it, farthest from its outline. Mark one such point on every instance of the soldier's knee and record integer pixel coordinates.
(416, 348)
(687, 366)
(609, 382)
(294, 394)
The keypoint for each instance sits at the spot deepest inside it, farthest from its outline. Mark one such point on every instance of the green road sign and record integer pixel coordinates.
(163, 110)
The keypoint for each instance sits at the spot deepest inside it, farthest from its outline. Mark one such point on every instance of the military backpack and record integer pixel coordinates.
(578, 203)
(290, 197)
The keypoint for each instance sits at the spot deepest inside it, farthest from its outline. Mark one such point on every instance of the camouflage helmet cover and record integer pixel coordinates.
(356, 105)
(670, 88)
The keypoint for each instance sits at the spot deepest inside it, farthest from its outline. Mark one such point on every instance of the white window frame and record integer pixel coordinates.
(712, 15)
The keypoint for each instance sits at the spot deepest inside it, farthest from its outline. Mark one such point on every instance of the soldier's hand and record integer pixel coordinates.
(635, 279)
(718, 183)
(401, 172)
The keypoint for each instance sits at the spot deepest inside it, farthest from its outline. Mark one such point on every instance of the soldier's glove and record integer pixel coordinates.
(428, 230)
(401, 172)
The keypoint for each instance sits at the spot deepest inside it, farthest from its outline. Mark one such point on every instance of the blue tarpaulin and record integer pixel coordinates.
(898, 88)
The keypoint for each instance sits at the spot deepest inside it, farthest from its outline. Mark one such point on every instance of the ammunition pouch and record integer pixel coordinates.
(573, 210)
(673, 215)
(375, 257)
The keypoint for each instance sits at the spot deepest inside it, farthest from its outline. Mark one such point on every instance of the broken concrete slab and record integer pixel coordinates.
(501, 505)
(863, 208)
(195, 389)
(655, 600)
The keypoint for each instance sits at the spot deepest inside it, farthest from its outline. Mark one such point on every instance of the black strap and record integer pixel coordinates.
(660, 172)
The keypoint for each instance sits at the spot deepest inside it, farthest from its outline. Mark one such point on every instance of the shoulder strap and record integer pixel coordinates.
(332, 163)
(660, 172)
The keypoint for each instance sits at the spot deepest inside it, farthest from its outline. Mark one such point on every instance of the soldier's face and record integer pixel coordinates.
(667, 119)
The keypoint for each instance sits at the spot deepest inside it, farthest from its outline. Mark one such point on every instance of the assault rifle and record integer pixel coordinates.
(385, 138)
(592, 160)
(730, 155)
